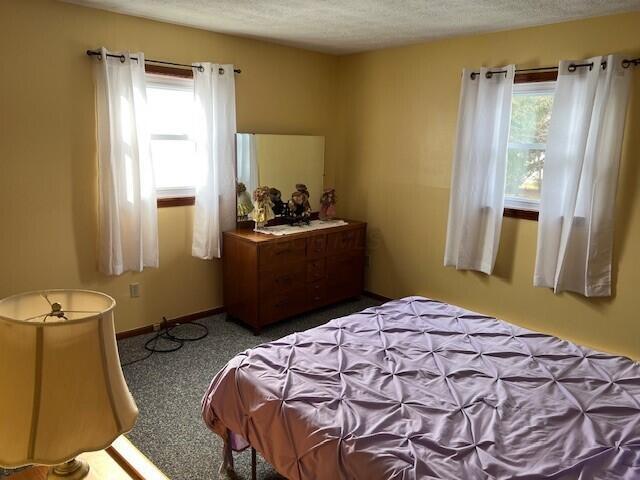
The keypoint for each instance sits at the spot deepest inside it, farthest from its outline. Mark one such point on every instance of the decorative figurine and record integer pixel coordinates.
(297, 214)
(262, 211)
(279, 206)
(298, 208)
(328, 204)
(244, 205)
(296, 204)
(302, 188)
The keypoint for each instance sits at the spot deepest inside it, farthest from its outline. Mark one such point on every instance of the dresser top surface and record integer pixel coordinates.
(257, 237)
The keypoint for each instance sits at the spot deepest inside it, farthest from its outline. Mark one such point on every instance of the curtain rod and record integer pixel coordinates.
(98, 53)
(626, 63)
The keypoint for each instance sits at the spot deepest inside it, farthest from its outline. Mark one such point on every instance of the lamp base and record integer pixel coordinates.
(72, 470)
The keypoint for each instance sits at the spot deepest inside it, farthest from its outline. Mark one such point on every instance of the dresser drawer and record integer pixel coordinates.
(316, 269)
(336, 292)
(345, 240)
(283, 279)
(316, 246)
(279, 306)
(344, 276)
(345, 266)
(274, 254)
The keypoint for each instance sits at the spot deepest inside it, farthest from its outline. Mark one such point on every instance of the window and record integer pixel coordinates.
(170, 101)
(530, 117)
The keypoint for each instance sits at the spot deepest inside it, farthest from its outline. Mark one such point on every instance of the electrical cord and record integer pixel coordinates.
(166, 334)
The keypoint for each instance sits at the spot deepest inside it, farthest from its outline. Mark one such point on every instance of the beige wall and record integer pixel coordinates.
(48, 169)
(286, 160)
(398, 114)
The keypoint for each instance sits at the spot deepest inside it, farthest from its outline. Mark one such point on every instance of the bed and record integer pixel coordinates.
(420, 389)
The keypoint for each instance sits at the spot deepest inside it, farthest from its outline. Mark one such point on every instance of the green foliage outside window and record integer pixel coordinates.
(530, 117)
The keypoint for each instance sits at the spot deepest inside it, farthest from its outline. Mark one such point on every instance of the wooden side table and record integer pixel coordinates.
(121, 461)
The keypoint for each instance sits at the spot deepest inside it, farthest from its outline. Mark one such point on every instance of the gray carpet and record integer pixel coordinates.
(168, 389)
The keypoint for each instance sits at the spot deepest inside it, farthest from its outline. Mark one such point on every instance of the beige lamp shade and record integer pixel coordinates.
(63, 392)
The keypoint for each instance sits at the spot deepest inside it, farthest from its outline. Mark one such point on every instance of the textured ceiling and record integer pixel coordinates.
(347, 26)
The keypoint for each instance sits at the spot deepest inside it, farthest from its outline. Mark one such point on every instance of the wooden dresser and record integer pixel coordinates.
(268, 278)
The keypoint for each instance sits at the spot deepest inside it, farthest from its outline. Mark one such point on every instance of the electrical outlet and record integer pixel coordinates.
(134, 290)
(156, 327)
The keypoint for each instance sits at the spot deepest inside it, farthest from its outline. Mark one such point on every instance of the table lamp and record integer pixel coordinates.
(63, 392)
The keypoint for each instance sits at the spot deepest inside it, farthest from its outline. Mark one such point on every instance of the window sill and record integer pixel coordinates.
(520, 213)
(176, 201)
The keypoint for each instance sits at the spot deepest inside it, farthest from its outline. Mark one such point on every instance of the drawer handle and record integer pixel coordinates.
(281, 252)
(284, 279)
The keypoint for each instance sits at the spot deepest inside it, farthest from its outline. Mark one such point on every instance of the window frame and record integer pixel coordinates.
(172, 197)
(522, 209)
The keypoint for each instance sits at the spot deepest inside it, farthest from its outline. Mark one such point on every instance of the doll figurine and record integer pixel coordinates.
(328, 204)
(296, 204)
(276, 200)
(302, 189)
(262, 211)
(298, 213)
(244, 205)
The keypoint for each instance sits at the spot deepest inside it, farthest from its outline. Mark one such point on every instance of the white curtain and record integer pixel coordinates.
(247, 161)
(127, 196)
(479, 166)
(575, 229)
(215, 125)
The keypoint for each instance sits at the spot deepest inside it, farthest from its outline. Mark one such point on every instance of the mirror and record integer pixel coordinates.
(280, 162)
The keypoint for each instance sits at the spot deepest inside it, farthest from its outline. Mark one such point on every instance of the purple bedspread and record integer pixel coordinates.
(419, 389)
